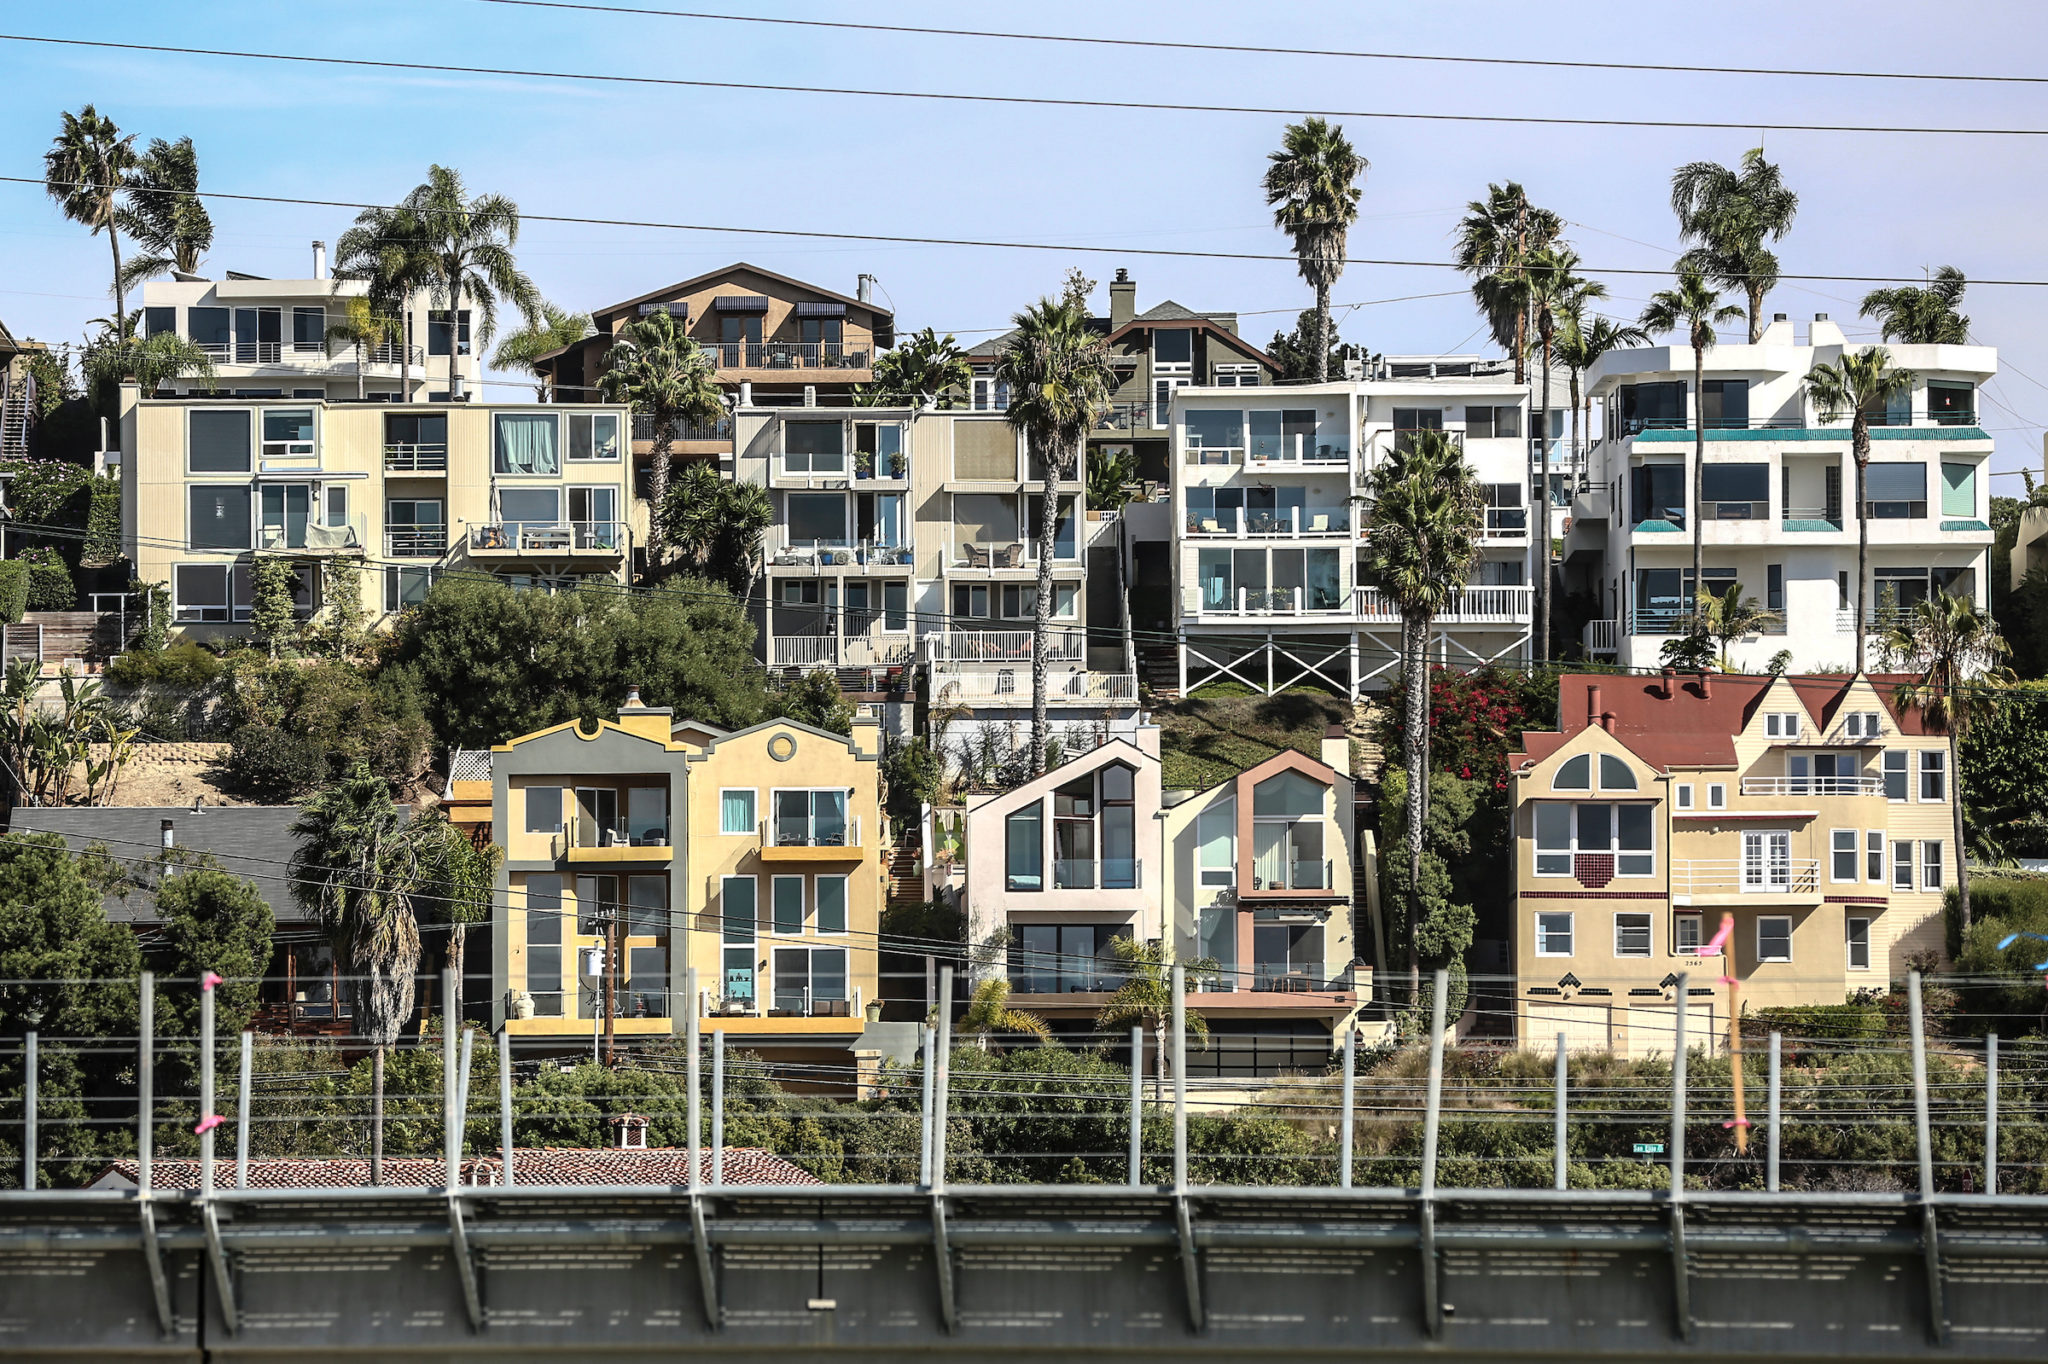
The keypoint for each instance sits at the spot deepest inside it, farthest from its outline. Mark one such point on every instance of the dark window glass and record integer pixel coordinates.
(209, 326)
(309, 328)
(1173, 346)
(1950, 403)
(218, 443)
(1725, 402)
(157, 321)
(1024, 856)
(219, 516)
(1657, 493)
(1736, 482)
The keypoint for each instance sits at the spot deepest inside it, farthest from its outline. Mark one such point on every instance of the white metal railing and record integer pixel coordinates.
(1010, 554)
(416, 542)
(1300, 449)
(1014, 687)
(1598, 636)
(1744, 876)
(1473, 606)
(878, 650)
(1506, 523)
(815, 554)
(1214, 454)
(1813, 786)
(1269, 601)
(778, 834)
(401, 457)
(1831, 515)
(1289, 523)
(1003, 646)
(538, 536)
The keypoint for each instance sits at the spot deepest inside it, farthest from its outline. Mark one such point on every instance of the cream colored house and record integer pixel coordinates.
(1813, 811)
(402, 492)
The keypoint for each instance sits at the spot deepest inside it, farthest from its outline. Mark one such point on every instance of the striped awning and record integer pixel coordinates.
(740, 303)
(821, 310)
(676, 309)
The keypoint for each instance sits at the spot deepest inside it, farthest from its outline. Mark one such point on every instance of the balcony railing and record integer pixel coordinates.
(1812, 517)
(1008, 688)
(1629, 426)
(307, 357)
(415, 542)
(1297, 450)
(1127, 417)
(403, 458)
(313, 537)
(1736, 510)
(581, 831)
(1507, 523)
(1303, 875)
(1473, 606)
(789, 355)
(1287, 523)
(1003, 646)
(875, 650)
(1013, 554)
(643, 429)
(820, 554)
(1085, 873)
(810, 834)
(1813, 786)
(1742, 876)
(1597, 637)
(533, 537)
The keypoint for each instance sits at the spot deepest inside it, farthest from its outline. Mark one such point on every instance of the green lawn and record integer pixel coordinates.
(1214, 734)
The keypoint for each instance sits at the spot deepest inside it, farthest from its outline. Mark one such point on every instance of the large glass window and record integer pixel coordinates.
(1288, 434)
(1643, 406)
(810, 981)
(218, 442)
(831, 904)
(1287, 956)
(200, 594)
(219, 516)
(1898, 492)
(817, 518)
(1173, 346)
(309, 329)
(439, 334)
(811, 819)
(543, 809)
(1024, 848)
(1064, 543)
(1657, 493)
(1950, 403)
(593, 435)
(1735, 492)
(786, 905)
(738, 900)
(1209, 429)
(814, 447)
(1287, 834)
(212, 330)
(1216, 837)
(544, 944)
(287, 431)
(1725, 403)
(286, 509)
(1052, 959)
(985, 531)
(1625, 832)
(526, 444)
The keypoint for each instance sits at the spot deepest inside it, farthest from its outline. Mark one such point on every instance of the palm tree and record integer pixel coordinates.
(990, 1012)
(165, 214)
(1922, 317)
(1495, 241)
(1960, 657)
(1694, 308)
(1580, 345)
(467, 248)
(547, 331)
(1312, 188)
(925, 370)
(669, 380)
(1555, 292)
(1730, 616)
(1862, 380)
(1060, 379)
(85, 170)
(362, 326)
(1145, 999)
(1421, 539)
(384, 252)
(1731, 214)
(358, 868)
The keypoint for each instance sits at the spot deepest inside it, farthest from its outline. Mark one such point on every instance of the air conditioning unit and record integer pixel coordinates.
(1354, 368)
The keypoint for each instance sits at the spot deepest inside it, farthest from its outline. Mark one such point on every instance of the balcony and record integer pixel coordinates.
(1003, 646)
(1676, 620)
(1318, 876)
(874, 650)
(1506, 523)
(1797, 876)
(313, 539)
(1473, 606)
(1813, 786)
(785, 1004)
(817, 555)
(790, 355)
(810, 841)
(1085, 873)
(308, 359)
(1597, 638)
(1007, 688)
(990, 556)
(1290, 523)
(643, 429)
(1298, 451)
(547, 538)
(585, 839)
(401, 458)
(1269, 601)
(1128, 417)
(415, 542)
(1804, 520)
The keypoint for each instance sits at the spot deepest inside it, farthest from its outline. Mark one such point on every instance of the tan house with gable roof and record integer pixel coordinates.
(1813, 810)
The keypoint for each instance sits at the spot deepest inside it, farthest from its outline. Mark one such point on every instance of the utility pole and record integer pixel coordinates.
(611, 984)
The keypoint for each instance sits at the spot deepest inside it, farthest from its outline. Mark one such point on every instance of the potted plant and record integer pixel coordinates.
(874, 1011)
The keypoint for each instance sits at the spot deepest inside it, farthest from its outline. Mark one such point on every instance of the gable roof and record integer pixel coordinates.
(683, 286)
(250, 841)
(988, 351)
(1111, 750)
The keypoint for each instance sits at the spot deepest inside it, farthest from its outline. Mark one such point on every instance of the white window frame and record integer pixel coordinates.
(1680, 923)
(1648, 926)
(1931, 865)
(1717, 795)
(1904, 864)
(1572, 851)
(1933, 763)
(1836, 851)
(1781, 724)
(1772, 862)
(753, 796)
(1543, 933)
(1904, 764)
(590, 419)
(1864, 724)
(1684, 795)
(1850, 944)
(1873, 856)
(1226, 812)
(288, 449)
(1762, 919)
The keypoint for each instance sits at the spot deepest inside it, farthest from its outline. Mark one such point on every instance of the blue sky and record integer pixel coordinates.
(1129, 179)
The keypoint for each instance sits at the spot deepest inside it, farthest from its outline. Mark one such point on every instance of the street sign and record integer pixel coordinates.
(1649, 1148)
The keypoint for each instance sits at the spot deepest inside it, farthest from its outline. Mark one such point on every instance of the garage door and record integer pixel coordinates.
(1652, 1028)
(1586, 1027)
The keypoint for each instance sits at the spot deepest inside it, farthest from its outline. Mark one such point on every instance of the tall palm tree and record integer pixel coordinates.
(669, 380)
(358, 868)
(925, 369)
(1914, 316)
(1494, 243)
(1312, 188)
(1556, 292)
(1145, 998)
(85, 170)
(1861, 381)
(1580, 345)
(364, 327)
(1421, 539)
(164, 213)
(548, 330)
(1060, 379)
(1731, 214)
(467, 246)
(385, 252)
(1694, 308)
(1960, 657)
(1730, 616)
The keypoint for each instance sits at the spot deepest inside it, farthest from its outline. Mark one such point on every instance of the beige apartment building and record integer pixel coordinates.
(404, 491)
(1813, 810)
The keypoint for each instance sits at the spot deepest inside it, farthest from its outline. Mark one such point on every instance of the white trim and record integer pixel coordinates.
(1849, 941)
(1571, 930)
(1855, 851)
(1678, 921)
(1762, 919)
(1649, 926)
(1717, 795)
(776, 931)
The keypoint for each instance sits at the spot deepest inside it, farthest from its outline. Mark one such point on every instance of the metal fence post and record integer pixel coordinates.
(205, 1089)
(1432, 1117)
(1347, 1124)
(28, 1112)
(1991, 1113)
(1771, 1157)
(694, 1069)
(1137, 1103)
(1560, 1176)
(451, 1118)
(242, 1113)
(145, 1081)
(717, 1108)
(942, 1079)
(1180, 1080)
(1678, 1091)
(924, 1114)
(1921, 1135)
(506, 1149)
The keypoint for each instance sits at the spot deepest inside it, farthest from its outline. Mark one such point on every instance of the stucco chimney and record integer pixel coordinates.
(1336, 753)
(1825, 333)
(1670, 683)
(1592, 705)
(1123, 299)
(319, 260)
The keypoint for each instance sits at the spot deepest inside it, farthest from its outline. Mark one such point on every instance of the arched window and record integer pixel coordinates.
(1615, 774)
(1575, 774)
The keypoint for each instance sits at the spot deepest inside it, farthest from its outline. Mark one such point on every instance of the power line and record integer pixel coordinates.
(1046, 101)
(1166, 45)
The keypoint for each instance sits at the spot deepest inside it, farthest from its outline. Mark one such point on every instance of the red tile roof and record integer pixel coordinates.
(537, 1166)
(1696, 725)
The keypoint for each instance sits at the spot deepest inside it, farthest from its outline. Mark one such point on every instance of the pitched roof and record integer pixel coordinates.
(662, 294)
(251, 841)
(538, 1166)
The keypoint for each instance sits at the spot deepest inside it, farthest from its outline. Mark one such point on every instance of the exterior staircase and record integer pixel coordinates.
(904, 878)
(1159, 670)
(57, 636)
(17, 408)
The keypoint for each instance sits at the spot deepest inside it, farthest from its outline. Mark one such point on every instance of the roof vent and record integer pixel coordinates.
(1706, 686)
(1820, 317)
(633, 701)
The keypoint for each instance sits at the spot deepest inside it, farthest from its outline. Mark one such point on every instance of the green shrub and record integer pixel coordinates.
(273, 765)
(184, 666)
(50, 587)
(2004, 990)
(13, 590)
(103, 522)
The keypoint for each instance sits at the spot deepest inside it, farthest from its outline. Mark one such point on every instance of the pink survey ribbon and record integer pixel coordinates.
(209, 980)
(207, 1125)
(1718, 942)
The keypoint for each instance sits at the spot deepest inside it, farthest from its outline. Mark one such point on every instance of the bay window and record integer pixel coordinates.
(1567, 832)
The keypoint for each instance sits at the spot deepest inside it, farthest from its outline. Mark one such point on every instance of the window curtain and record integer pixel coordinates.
(526, 443)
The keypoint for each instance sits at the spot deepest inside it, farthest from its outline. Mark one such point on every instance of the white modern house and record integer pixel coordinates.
(267, 338)
(1267, 523)
(1778, 510)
